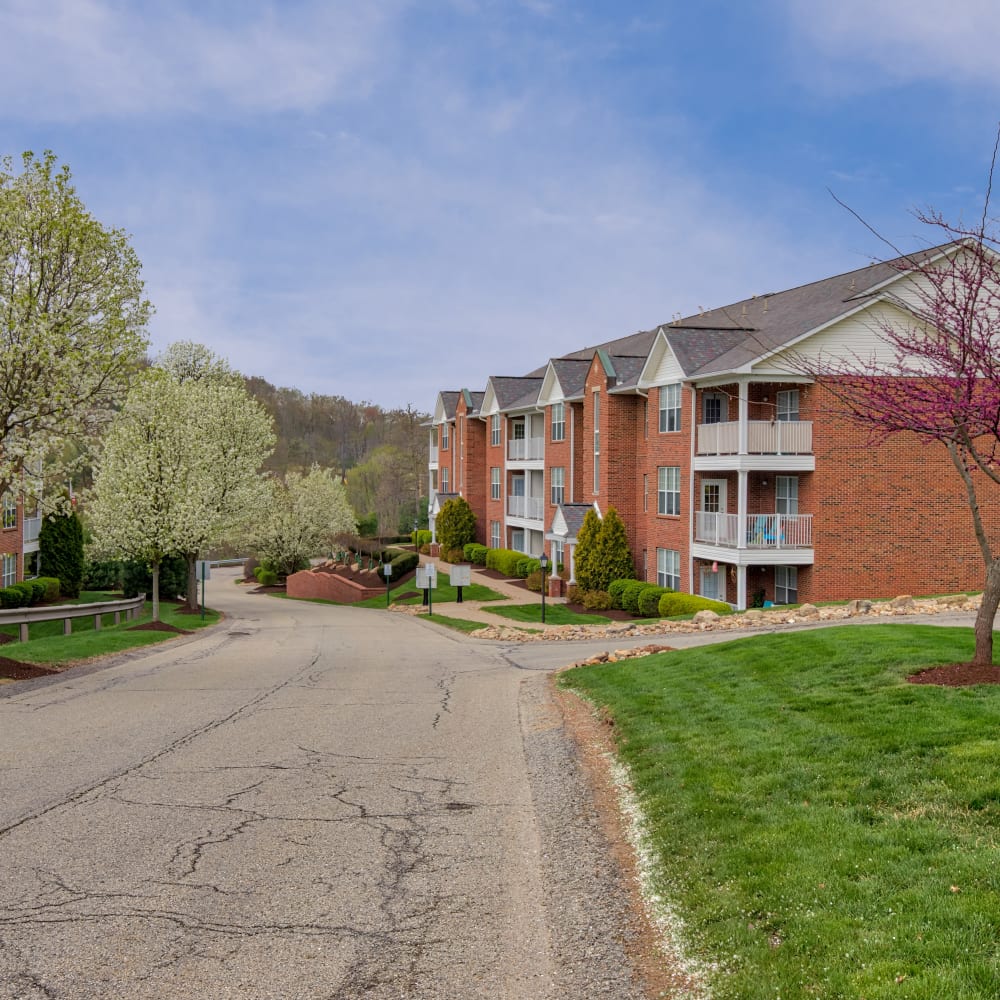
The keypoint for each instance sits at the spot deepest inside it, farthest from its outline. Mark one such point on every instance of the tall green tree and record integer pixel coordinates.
(585, 557)
(612, 558)
(72, 323)
(60, 549)
(455, 525)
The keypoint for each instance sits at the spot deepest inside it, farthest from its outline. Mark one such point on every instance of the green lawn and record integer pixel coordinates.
(822, 828)
(555, 614)
(443, 594)
(48, 645)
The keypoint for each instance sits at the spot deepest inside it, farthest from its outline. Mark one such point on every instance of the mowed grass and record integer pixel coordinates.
(443, 593)
(48, 645)
(555, 614)
(822, 828)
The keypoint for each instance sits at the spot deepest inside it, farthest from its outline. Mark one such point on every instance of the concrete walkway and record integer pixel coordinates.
(476, 610)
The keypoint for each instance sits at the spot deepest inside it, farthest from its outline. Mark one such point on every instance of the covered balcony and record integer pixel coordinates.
(529, 508)
(530, 449)
(763, 437)
(754, 531)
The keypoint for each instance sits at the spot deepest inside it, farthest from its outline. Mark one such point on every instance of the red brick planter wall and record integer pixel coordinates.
(329, 587)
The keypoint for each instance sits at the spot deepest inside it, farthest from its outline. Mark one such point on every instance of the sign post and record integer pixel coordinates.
(387, 571)
(203, 574)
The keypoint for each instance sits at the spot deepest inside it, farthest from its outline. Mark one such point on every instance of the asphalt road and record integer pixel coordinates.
(304, 802)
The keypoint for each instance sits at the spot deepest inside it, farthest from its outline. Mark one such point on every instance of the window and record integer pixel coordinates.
(9, 511)
(517, 540)
(557, 484)
(495, 483)
(558, 421)
(668, 493)
(788, 404)
(494, 534)
(786, 585)
(645, 493)
(444, 435)
(786, 490)
(558, 555)
(711, 408)
(495, 429)
(670, 408)
(9, 569)
(518, 429)
(597, 443)
(668, 568)
(444, 480)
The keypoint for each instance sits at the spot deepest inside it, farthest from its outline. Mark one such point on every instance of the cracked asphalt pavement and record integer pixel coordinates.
(303, 802)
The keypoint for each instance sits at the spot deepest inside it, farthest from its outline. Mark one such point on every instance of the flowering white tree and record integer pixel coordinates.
(179, 469)
(303, 515)
(72, 321)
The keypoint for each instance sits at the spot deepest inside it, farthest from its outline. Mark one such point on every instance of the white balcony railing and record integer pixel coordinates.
(32, 526)
(526, 449)
(764, 437)
(532, 508)
(760, 531)
(433, 455)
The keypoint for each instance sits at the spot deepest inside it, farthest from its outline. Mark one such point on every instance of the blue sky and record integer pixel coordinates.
(380, 199)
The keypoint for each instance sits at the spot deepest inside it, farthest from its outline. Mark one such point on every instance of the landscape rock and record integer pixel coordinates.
(808, 611)
(705, 618)
(902, 603)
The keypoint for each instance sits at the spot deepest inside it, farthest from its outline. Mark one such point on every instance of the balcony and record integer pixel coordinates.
(530, 508)
(433, 459)
(32, 526)
(764, 437)
(757, 531)
(526, 449)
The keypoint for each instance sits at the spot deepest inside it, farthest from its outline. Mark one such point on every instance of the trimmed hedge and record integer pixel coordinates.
(51, 584)
(504, 561)
(526, 566)
(402, 564)
(672, 605)
(630, 595)
(649, 600)
(475, 553)
(615, 589)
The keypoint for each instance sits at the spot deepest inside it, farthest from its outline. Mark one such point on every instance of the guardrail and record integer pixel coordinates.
(67, 612)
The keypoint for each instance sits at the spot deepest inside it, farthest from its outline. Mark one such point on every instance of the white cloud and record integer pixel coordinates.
(903, 40)
(73, 59)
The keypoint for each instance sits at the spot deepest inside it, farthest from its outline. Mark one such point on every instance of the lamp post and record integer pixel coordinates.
(416, 547)
(544, 564)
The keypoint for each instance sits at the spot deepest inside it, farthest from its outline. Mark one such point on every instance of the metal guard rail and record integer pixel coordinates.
(67, 612)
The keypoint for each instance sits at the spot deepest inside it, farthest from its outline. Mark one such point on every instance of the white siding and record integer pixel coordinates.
(662, 366)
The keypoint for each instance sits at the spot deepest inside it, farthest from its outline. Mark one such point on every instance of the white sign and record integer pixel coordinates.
(460, 576)
(203, 570)
(426, 577)
(386, 570)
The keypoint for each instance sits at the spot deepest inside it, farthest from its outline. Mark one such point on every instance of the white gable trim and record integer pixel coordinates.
(551, 391)
(662, 366)
(489, 405)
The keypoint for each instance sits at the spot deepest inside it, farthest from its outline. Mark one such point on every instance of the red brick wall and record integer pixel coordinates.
(558, 454)
(473, 482)
(494, 458)
(329, 587)
(12, 541)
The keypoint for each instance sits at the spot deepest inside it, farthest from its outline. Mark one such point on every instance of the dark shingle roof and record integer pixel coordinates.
(573, 514)
(572, 373)
(449, 401)
(513, 393)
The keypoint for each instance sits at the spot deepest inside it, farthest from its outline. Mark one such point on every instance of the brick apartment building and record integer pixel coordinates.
(19, 529)
(733, 472)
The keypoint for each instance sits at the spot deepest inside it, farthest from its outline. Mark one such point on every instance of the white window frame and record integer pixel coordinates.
(786, 495)
(788, 404)
(786, 585)
(668, 489)
(9, 569)
(445, 440)
(557, 485)
(495, 429)
(494, 534)
(558, 555)
(708, 401)
(495, 483)
(670, 408)
(558, 421)
(597, 443)
(444, 480)
(517, 540)
(9, 511)
(668, 568)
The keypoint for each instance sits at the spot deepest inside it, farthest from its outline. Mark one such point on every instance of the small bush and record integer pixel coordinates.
(425, 549)
(649, 600)
(12, 597)
(476, 553)
(266, 576)
(51, 584)
(615, 589)
(672, 605)
(38, 589)
(527, 566)
(29, 592)
(402, 564)
(597, 600)
(630, 595)
(454, 555)
(504, 561)
(423, 538)
(574, 594)
(533, 581)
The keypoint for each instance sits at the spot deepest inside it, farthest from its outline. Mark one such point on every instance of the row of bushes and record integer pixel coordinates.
(29, 592)
(646, 600)
(511, 564)
(134, 578)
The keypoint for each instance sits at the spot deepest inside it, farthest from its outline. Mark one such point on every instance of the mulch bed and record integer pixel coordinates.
(958, 675)
(15, 670)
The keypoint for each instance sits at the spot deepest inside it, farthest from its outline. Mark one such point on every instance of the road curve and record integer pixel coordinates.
(305, 802)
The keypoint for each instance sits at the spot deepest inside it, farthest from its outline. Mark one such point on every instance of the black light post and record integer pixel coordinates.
(416, 547)
(544, 563)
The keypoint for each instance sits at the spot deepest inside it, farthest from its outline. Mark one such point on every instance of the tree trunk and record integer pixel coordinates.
(987, 614)
(156, 590)
(192, 585)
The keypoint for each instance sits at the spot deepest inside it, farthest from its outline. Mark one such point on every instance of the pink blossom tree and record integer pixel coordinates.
(939, 378)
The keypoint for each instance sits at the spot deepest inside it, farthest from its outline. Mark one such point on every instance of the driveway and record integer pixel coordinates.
(304, 802)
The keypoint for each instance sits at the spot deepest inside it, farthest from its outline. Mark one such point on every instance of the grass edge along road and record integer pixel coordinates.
(822, 827)
(47, 646)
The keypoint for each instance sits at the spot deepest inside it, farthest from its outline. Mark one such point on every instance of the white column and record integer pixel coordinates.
(741, 510)
(741, 588)
(571, 551)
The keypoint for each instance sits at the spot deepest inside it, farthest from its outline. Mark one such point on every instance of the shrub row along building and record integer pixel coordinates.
(735, 472)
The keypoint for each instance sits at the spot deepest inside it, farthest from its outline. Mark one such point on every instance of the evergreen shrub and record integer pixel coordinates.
(649, 600)
(672, 604)
(630, 595)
